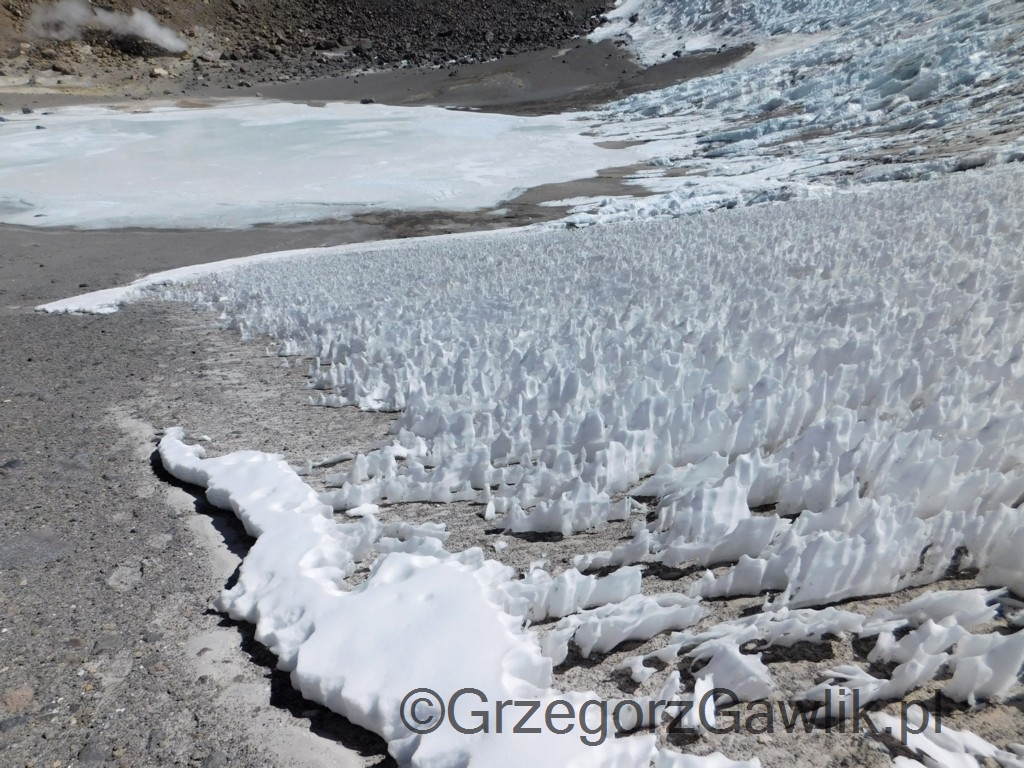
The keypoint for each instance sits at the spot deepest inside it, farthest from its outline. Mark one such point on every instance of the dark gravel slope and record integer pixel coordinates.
(423, 31)
(315, 37)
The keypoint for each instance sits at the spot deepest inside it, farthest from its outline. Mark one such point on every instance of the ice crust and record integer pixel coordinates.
(168, 167)
(822, 400)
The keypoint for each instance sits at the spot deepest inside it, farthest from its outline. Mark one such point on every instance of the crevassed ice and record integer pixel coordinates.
(659, 27)
(832, 94)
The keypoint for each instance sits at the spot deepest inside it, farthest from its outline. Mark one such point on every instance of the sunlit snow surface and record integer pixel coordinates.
(242, 163)
(823, 399)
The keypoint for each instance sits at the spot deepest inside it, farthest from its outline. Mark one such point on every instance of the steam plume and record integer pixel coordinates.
(65, 20)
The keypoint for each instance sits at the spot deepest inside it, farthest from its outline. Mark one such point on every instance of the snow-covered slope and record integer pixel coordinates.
(822, 400)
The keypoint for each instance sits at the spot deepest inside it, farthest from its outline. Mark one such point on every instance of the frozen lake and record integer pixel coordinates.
(242, 164)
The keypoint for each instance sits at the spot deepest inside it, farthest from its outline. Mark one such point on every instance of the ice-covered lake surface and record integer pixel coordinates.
(814, 404)
(247, 163)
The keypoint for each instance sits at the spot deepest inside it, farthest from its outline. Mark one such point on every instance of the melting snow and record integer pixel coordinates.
(824, 398)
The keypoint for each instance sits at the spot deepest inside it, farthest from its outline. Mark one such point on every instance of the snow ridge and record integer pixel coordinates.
(292, 587)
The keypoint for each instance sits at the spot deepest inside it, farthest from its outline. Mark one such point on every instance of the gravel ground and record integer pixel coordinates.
(109, 654)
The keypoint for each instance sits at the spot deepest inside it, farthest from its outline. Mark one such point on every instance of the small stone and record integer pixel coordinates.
(94, 752)
(106, 643)
(215, 759)
(156, 739)
(18, 699)
(27, 110)
(12, 722)
(158, 72)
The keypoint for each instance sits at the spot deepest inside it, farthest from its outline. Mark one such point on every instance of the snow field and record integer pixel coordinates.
(816, 402)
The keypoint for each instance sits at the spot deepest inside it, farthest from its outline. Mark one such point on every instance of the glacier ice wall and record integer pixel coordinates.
(831, 95)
